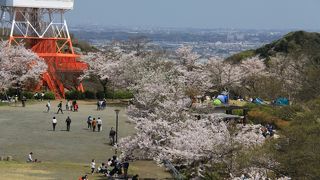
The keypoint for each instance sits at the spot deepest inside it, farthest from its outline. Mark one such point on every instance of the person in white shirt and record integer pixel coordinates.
(54, 123)
(93, 166)
(30, 157)
(99, 122)
(42, 96)
(48, 105)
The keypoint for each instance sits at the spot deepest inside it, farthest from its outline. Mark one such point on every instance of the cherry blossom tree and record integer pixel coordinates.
(103, 65)
(290, 72)
(19, 67)
(192, 72)
(166, 128)
(225, 75)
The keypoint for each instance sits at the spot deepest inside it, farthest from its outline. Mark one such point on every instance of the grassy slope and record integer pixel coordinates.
(293, 44)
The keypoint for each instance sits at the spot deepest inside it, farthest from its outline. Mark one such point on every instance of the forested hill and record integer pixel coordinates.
(293, 44)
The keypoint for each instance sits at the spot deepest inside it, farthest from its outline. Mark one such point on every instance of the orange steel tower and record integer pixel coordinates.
(40, 26)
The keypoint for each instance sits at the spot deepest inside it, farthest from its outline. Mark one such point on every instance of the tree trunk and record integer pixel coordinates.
(104, 85)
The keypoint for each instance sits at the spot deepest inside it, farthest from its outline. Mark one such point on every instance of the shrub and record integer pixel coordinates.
(251, 105)
(123, 94)
(119, 94)
(3, 96)
(238, 112)
(49, 96)
(75, 95)
(12, 92)
(283, 112)
(100, 95)
(89, 95)
(287, 112)
(260, 117)
(28, 95)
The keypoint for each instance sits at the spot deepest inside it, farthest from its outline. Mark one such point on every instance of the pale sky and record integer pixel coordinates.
(248, 14)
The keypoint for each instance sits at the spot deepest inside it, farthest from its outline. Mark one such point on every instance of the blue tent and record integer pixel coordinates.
(282, 102)
(258, 101)
(223, 99)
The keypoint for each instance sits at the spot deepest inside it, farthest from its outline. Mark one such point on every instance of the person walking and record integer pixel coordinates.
(99, 122)
(68, 121)
(74, 102)
(23, 100)
(94, 124)
(70, 105)
(75, 108)
(54, 123)
(89, 120)
(112, 134)
(98, 105)
(93, 166)
(16, 99)
(48, 105)
(60, 107)
(67, 105)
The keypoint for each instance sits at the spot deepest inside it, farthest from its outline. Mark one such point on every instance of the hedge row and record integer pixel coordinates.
(119, 94)
(77, 95)
(30, 95)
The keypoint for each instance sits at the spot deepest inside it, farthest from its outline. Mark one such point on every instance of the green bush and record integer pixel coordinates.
(28, 95)
(12, 92)
(2, 96)
(238, 112)
(260, 117)
(75, 95)
(287, 112)
(100, 95)
(283, 112)
(89, 95)
(49, 96)
(119, 94)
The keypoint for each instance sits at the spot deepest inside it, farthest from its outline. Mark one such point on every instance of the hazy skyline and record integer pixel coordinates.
(242, 14)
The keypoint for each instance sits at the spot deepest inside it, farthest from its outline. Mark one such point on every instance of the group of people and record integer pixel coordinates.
(101, 104)
(54, 123)
(39, 96)
(267, 130)
(70, 106)
(93, 123)
(113, 167)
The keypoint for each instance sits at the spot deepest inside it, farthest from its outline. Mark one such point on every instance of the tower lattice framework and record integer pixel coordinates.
(45, 32)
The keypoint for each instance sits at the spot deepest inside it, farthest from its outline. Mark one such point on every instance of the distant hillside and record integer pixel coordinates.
(292, 44)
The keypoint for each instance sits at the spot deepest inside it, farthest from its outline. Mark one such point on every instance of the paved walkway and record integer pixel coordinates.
(23, 130)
